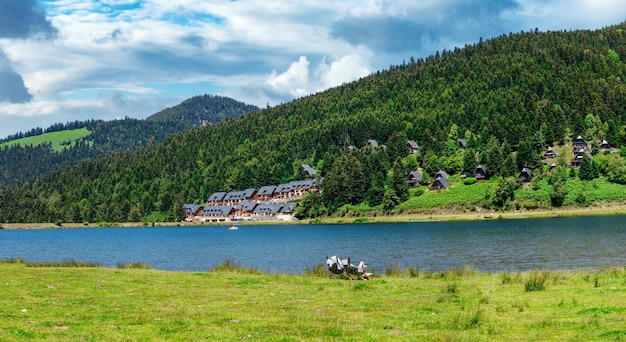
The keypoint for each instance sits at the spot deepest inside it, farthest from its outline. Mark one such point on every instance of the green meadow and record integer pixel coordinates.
(57, 140)
(82, 302)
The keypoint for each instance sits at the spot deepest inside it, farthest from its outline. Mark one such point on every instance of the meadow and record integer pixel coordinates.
(79, 301)
(57, 140)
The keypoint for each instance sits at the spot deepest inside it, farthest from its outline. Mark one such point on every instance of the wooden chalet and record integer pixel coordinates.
(413, 179)
(217, 213)
(245, 208)
(413, 147)
(288, 208)
(234, 197)
(192, 211)
(525, 175)
(579, 143)
(604, 146)
(480, 172)
(578, 157)
(550, 153)
(267, 209)
(440, 183)
(265, 193)
(217, 198)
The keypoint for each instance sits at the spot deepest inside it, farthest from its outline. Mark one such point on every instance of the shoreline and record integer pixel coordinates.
(434, 216)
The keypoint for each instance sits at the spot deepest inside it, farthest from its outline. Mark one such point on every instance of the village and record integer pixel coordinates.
(277, 203)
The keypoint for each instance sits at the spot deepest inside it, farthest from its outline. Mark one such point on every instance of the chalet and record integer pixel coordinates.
(372, 143)
(440, 183)
(217, 213)
(550, 153)
(553, 165)
(265, 193)
(480, 172)
(579, 144)
(191, 211)
(525, 175)
(413, 147)
(442, 174)
(309, 171)
(604, 146)
(234, 197)
(245, 208)
(578, 157)
(413, 179)
(462, 143)
(284, 191)
(216, 198)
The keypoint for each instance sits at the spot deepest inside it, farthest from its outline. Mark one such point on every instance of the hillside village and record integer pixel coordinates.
(277, 203)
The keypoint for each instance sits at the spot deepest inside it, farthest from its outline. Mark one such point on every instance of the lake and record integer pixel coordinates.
(489, 245)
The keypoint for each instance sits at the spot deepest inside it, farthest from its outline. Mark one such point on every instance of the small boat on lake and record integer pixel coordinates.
(233, 227)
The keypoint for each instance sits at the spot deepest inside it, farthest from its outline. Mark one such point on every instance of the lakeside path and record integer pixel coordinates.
(434, 215)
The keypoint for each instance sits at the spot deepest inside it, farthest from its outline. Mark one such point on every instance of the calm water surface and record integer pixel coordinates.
(490, 245)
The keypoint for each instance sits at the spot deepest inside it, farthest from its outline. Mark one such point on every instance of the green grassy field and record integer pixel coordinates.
(58, 140)
(233, 303)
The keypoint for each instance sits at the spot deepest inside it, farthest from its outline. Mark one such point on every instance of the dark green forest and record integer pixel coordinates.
(26, 163)
(509, 97)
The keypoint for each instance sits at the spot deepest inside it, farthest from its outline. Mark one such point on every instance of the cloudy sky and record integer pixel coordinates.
(66, 60)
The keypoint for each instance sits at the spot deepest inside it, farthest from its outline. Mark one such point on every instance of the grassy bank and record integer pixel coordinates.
(95, 304)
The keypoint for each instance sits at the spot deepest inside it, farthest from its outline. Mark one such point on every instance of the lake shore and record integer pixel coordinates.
(434, 215)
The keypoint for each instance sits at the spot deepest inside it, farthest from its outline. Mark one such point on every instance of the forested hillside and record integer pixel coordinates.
(509, 97)
(28, 162)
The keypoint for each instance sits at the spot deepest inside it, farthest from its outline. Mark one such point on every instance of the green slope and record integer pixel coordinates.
(57, 140)
(515, 93)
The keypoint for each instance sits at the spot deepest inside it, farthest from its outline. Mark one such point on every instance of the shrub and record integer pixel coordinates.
(469, 180)
(536, 281)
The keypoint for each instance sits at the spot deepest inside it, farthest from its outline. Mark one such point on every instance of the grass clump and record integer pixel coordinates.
(68, 263)
(134, 265)
(231, 266)
(536, 281)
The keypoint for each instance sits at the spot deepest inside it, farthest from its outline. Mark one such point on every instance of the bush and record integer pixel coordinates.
(469, 180)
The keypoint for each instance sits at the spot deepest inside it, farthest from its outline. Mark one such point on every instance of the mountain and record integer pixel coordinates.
(202, 110)
(27, 156)
(507, 97)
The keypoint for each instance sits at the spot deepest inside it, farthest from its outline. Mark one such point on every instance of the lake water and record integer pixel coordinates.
(489, 245)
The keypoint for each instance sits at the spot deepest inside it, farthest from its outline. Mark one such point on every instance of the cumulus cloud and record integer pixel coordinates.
(12, 87)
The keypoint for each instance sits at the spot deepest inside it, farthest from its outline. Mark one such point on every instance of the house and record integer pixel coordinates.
(413, 178)
(462, 143)
(578, 157)
(234, 197)
(216, 198)
(550, 153)
(604, 146)
(309, 171)
(553, 165)
(245, 208)
(442, 174)
(579, 144)
(480, 172)
(217, 213)
(372, 143)
(265, 193)
(288, 208)
(525, 175)
(191, 211)
(440, 183)
(413, 147)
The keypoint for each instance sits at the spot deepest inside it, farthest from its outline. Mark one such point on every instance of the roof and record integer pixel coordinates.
(442, 182)
(246, 205)
(266, 190)
(288, 207)
(267, 208)
(222, 210)
(191, 208)
(414, 175)
(441, 173)
(217, 196)
(372, 142)
(525, 170)
(551, 149)
(462, 142)
(481, 167)
(309, 170)
(413, 144)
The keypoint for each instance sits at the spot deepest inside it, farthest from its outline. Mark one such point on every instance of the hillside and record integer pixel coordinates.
(63, 145)
(509, 98)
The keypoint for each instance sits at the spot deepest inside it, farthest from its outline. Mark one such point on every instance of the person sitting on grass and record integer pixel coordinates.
(362, 268)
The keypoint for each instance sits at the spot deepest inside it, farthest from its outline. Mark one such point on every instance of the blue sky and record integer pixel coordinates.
(66, 60)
